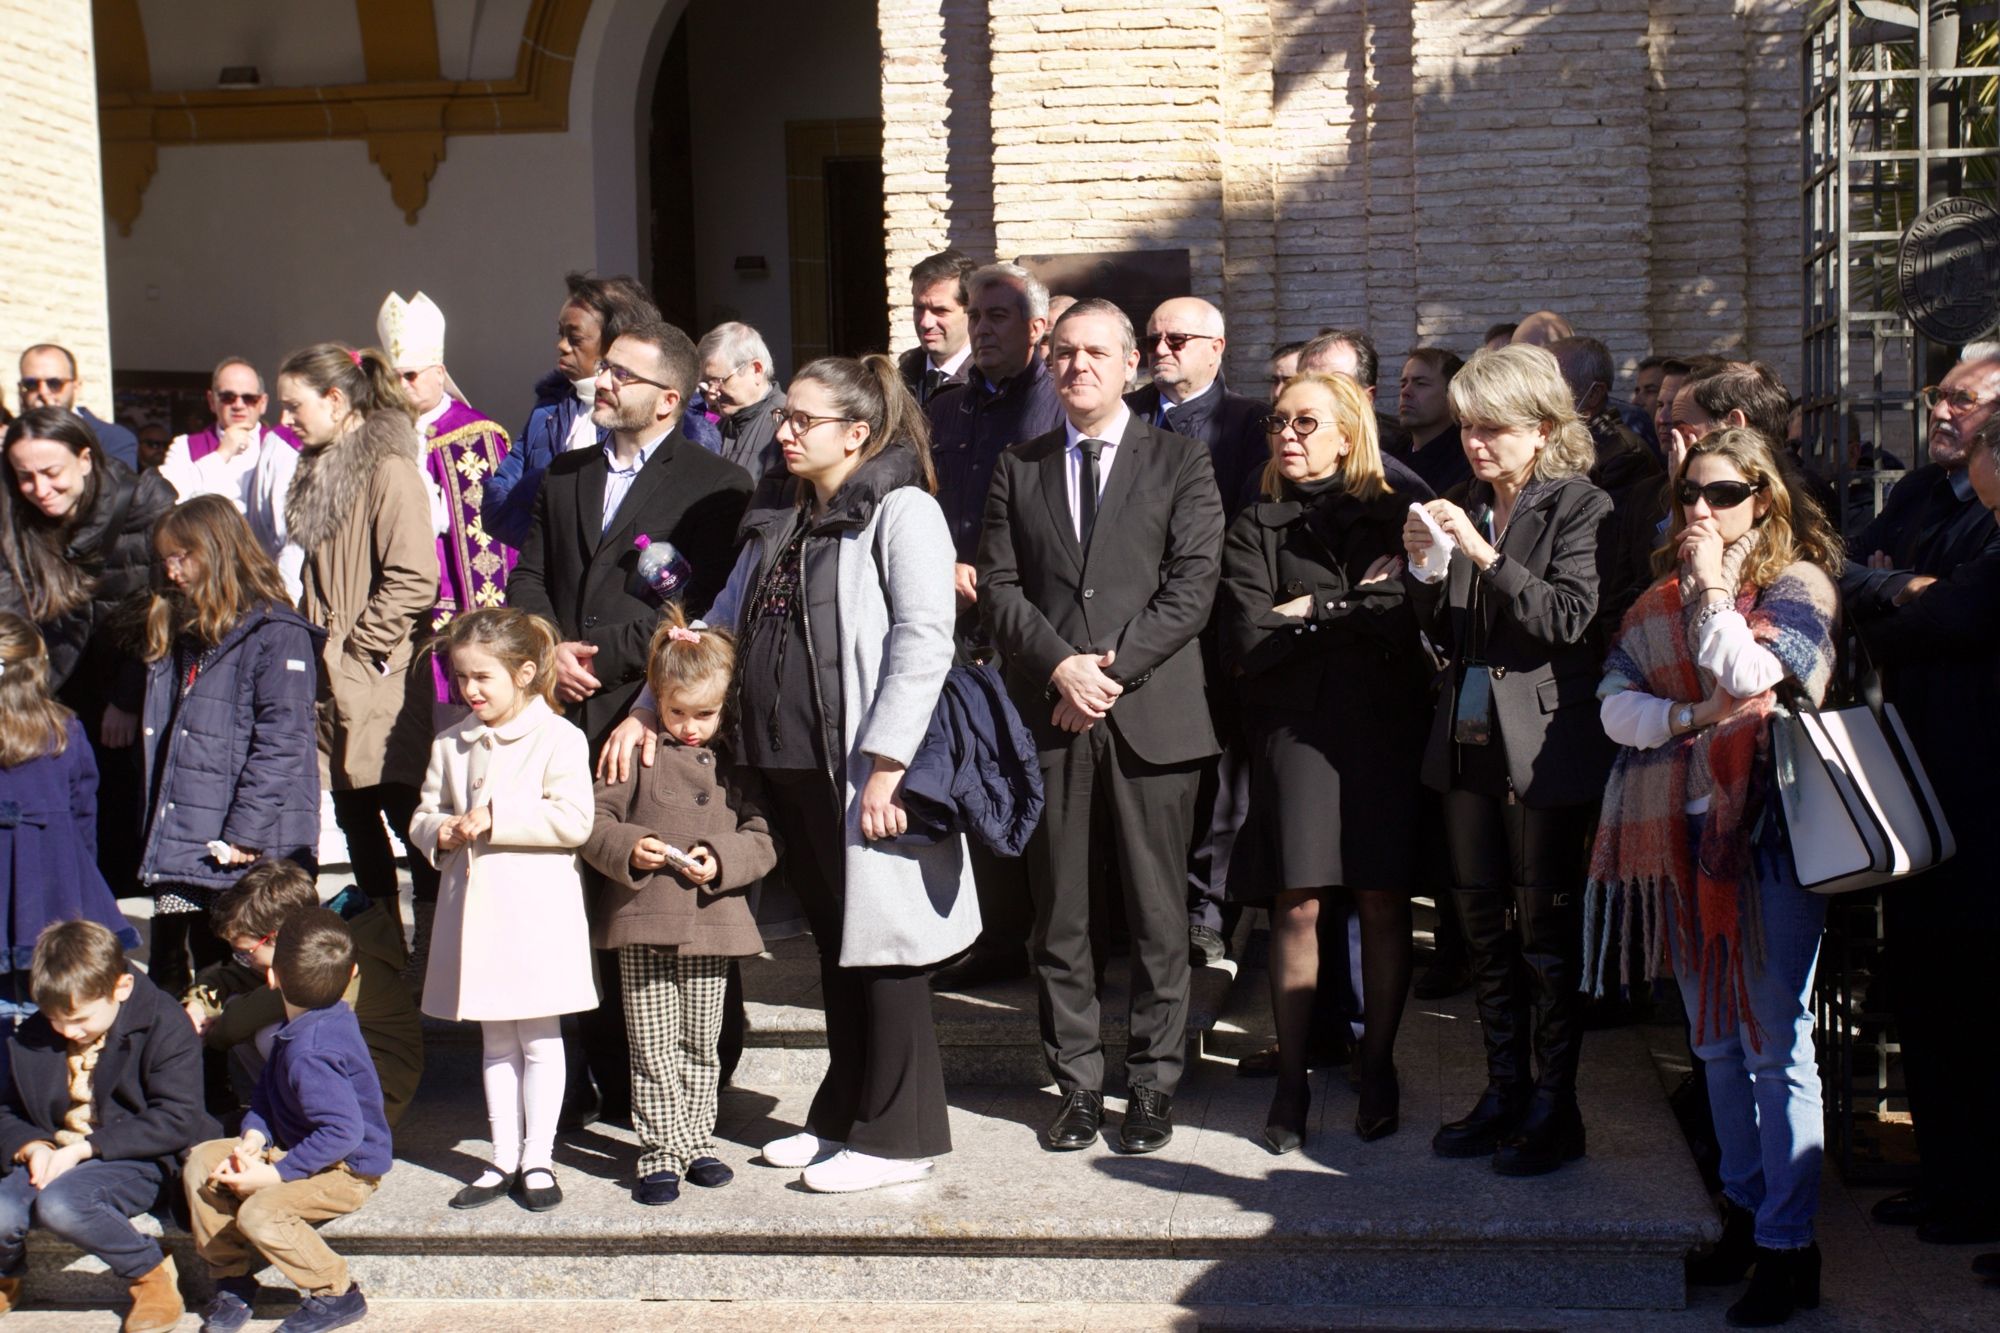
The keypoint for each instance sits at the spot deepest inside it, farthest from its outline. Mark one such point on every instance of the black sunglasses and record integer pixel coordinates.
(230, 398)
(1719, 494)
(1174, 341)
(49, 384)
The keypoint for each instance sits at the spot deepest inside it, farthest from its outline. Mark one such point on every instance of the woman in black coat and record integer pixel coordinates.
(1318, 633)
(78, 545)
(1516, 746)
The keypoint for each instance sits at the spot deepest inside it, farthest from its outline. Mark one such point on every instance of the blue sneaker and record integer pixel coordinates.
(228, 1312)
(317, 1314)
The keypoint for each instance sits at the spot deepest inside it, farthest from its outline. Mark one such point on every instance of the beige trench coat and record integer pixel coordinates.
(511, 939)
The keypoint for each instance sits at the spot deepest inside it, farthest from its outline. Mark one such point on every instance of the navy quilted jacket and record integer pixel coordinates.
(977, 771)
(241, 756)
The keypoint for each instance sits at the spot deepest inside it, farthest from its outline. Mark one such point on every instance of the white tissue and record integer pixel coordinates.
(1437, 560)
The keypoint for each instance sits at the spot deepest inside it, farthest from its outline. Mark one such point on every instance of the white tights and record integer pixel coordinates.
(524, 1074)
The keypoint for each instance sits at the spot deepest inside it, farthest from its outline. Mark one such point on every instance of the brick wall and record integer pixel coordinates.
(1422, 168)
(52, 240)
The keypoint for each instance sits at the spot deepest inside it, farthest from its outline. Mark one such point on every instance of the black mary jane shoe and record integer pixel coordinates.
(1285, 1125)
(538, 1198)
(1784, 1282)
(476, 1195)
(1077, 1124)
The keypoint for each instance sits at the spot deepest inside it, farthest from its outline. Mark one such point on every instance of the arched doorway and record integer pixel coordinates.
(764, 162)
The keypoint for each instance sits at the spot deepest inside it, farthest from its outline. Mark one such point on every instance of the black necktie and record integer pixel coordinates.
(933, 381)
(1086, 500)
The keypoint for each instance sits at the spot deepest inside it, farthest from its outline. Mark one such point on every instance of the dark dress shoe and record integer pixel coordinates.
(1550, 1133)
(1478, 1132)
(1078, 1123)
(978, 969)
(535, 1196)
(709, 1173)
(1149, 1121)
(1952, 1229)
(478, 1196)
(1205, 946)
(1729, 1258)
(1904, 1208)
(657, 1190)
(1443, 979)
(1986, 1265)
(1785, 1281)
(1285, 1125)
(1380, 1112)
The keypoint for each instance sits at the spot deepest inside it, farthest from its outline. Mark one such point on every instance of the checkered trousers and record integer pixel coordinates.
(673, 1017)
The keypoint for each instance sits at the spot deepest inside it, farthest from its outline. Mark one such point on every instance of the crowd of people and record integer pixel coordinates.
(658, 679)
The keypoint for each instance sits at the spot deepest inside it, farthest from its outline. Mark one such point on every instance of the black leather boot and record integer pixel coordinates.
(1492, 950)
(1730, 1258)
(1550, 1133)
(1785, 1281)
(1551, 1129)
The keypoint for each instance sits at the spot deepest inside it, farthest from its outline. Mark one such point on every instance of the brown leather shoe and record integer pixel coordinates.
(10, 1294)
(156, 1300)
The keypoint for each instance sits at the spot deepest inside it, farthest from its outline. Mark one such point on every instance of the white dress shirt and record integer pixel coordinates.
(1074, 471)
(618, 482)
(258, 480)
(950, 365)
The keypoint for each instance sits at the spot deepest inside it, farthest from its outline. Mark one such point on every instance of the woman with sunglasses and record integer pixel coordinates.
(1692, 839)
(1515, 746)
(1316, 631)
(232, 770)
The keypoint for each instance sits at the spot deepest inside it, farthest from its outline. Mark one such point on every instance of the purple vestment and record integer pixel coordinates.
(461, 449)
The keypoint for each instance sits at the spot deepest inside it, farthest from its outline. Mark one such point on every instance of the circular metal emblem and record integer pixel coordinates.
(1948, 270)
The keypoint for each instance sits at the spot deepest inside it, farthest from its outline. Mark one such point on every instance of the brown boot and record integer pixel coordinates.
(10, 1294)
(156, 1300)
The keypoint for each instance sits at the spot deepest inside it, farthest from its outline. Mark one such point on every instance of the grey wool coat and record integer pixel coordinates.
(905, 906)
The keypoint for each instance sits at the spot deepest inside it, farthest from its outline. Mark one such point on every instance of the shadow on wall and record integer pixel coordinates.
(968, 120)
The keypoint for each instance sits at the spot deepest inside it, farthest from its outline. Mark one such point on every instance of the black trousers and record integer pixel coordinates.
(883, 1093)
(1939, 960)
(1221, 803)
(1100, 794)
(360, 811)
(1519, 897)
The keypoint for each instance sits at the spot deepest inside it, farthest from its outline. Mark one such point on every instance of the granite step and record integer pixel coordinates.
(1212, 1220)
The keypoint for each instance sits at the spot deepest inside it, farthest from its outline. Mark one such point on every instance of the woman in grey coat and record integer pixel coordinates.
(843, 606)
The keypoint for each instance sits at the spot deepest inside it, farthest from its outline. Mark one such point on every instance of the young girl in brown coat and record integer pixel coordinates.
(680, 844)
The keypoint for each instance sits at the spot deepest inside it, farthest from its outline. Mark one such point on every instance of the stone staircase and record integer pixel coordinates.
(1213, 1220)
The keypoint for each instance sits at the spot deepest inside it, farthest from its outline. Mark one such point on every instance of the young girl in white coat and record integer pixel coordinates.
(506, 804)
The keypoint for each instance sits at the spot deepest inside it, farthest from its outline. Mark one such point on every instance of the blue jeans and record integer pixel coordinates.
(91, 1206)
(1766, 1099)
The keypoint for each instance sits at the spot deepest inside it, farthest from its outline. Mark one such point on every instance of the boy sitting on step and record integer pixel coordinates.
(315, 1144)
(236, 1012)
(105, 1098)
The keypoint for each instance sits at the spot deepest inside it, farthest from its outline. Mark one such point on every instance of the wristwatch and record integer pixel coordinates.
(1683, 719)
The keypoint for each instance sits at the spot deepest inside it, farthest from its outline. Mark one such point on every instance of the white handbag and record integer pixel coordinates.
(1858, 807)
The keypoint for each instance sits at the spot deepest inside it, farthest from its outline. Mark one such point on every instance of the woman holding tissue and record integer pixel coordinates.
(1515, 745)
(1317, 629)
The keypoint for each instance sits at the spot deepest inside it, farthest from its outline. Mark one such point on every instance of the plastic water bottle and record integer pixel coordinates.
(663, 569)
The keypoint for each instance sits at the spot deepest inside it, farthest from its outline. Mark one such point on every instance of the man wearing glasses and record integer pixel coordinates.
(243, 459)
(49, 379)
(737, 383)
(461, 449)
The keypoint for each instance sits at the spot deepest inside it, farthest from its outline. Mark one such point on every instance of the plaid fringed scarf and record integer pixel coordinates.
(1641, 855)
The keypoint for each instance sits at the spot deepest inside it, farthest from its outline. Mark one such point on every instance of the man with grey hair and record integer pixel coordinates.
(737, 381)
(1098, 565)
(1007, 399)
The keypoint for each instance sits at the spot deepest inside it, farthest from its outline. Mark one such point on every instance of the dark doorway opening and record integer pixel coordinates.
(857, 253)
(671, 168)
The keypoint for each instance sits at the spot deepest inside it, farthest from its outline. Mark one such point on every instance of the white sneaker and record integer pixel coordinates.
(848, 1171)
(801, 1149)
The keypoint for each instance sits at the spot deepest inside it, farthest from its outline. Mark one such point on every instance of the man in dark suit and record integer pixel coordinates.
(1919, 587)
(1097, 569)
(579, 568)
(938, 308)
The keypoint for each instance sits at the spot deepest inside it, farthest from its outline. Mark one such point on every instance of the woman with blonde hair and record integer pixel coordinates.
(230, 764)
(1317, 632)
(359, 511)
(1692, 850)
(1515, 746)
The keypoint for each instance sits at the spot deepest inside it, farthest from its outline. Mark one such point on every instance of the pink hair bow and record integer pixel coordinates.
(354, 356)
(678, 634)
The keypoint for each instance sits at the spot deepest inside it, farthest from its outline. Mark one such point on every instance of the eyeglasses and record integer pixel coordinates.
(230, 398)
(1301, 425)
(622, 377)
(1719, 494)
(248, 957)
(712, 382)
(1961, 400)
(47, 384)
(1174, 341)
(800, 422)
